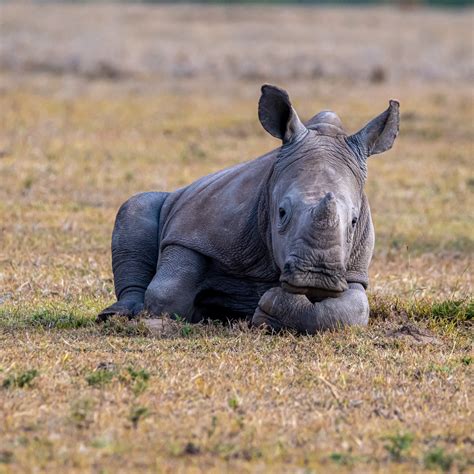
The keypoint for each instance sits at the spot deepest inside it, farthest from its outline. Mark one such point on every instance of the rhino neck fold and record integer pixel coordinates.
(263, 214)
(293, 145)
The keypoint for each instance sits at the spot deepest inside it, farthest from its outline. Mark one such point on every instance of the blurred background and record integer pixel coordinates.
(101, 100)
(373, 41)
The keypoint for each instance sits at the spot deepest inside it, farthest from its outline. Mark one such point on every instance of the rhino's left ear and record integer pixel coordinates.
(380, 133)
(277, 115)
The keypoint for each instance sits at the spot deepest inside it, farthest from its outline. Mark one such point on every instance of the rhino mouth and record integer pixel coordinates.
(313, 293)
(315, 285)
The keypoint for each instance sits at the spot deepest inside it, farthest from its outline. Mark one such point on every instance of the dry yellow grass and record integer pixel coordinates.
(214, 398)
(220, 399)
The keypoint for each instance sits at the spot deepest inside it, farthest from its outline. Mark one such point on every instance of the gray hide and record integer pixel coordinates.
(284, 240)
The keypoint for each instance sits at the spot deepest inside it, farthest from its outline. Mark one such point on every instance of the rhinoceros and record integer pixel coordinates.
(284, 241)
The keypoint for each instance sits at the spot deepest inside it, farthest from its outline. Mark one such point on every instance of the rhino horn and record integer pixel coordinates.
(325, 213)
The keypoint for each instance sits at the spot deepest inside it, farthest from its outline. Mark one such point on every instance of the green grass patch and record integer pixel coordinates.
(398, 445)
(47, 317)
(139, 379)
(441, 313)
(436, 458)
(342, 459)
(51, 319)
(460, 310)
(21, 379)
(100, 377)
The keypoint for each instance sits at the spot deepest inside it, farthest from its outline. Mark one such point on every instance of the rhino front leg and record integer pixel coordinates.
(278, 309)
(178, 279)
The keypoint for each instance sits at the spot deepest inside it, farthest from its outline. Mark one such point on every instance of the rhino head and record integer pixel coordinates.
(316, 192)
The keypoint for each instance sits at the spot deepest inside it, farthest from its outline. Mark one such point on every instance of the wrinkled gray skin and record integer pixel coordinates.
(285, 239)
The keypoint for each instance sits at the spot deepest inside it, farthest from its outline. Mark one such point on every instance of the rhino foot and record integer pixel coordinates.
(130, 309)
(262, 319)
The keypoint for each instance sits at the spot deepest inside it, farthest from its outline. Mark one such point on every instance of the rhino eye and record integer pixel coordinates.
(354, 221)
(284, 214)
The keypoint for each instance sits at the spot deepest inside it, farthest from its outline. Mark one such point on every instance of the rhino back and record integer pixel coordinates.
(218, 216)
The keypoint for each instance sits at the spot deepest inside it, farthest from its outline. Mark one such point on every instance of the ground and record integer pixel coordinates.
(75, 143)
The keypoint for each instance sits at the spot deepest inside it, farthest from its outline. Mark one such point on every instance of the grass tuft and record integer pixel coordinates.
(140, 380)
(100, 377)
(398, 445)
(138, 413)
(453, 310)
(233, 403)
(343, 459)
(122, 326)
(6, 456)
(20, 380)
(438, 459)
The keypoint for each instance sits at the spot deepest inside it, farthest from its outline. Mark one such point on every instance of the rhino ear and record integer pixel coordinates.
(277, 115)
(380, 133)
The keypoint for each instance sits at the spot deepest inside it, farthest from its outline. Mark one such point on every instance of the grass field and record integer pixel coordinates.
(74, 145)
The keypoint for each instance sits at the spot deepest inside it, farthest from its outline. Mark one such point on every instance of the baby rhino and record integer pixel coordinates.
(284, 240)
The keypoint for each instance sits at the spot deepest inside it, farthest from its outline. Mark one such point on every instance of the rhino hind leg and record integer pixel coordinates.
(134, 252)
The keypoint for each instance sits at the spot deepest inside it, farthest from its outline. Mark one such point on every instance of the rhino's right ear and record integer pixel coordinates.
(277, 115)
(380, 133)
